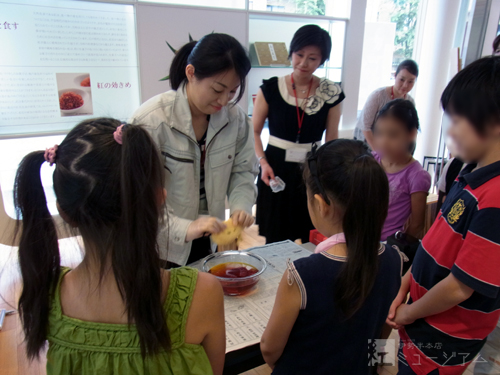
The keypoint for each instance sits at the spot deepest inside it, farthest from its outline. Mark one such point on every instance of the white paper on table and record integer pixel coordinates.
(247, 316)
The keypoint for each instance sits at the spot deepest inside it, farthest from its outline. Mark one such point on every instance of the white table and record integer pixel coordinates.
(247, 316)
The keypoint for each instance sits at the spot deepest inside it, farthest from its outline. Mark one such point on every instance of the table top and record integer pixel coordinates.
(247, 316)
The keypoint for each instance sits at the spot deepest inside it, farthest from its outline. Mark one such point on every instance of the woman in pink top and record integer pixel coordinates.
(394, 134)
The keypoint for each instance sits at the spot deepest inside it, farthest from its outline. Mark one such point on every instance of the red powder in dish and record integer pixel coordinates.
(70, 100)
(85, 82)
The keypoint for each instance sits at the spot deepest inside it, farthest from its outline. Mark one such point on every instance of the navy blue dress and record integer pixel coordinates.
(320, 343)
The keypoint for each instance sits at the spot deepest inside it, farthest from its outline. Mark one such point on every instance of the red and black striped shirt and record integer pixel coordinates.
(464, 241)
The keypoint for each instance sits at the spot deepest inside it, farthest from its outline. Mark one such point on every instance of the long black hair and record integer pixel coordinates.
(109, 191)
(211, 55)
(312, 35)
(342, 171)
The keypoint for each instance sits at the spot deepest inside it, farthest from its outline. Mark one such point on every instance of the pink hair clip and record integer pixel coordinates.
(50, 155)
(118, 134)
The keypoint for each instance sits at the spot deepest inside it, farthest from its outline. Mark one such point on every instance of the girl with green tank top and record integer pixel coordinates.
(117, 312)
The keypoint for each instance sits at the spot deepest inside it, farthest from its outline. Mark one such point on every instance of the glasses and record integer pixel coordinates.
(312, 162)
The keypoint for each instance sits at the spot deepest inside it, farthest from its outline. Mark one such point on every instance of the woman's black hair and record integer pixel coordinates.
(110, 193)
(312, 35)
(409, 65)
(211, 55)
(474, 93)
(496, 43)
(344, 171)
(401, 109)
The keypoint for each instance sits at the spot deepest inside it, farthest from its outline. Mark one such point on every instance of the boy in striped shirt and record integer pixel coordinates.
(454, 282)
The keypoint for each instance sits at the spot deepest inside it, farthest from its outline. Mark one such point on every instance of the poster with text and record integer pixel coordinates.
(63, 62)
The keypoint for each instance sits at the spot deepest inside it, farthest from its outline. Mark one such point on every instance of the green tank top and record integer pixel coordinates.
(81, 347)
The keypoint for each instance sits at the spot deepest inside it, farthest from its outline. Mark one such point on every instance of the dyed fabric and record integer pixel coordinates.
(81, 347)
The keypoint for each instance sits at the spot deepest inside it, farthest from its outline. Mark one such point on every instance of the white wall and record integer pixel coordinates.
(437, 34)
(157, 24)
(353, 54)
(378, 51)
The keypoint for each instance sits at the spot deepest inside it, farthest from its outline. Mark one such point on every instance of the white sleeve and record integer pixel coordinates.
(442, 177)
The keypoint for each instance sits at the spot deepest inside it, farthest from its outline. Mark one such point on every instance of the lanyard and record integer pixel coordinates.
(300, 119)
(392, 94)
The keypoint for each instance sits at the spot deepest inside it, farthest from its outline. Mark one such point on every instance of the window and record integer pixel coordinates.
(234, 4)
(329, 8)
(276, 8)
(389, 39)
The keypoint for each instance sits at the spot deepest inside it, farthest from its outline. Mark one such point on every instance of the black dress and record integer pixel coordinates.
(284, 215)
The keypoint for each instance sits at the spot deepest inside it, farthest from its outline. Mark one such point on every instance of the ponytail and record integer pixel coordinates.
(112, 192)
(364, 217)
(348, 176)
(178, 67)
(212, 55)
(38, 252)
(135, 257)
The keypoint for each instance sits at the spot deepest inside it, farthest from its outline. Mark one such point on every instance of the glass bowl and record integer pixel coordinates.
(236, 286)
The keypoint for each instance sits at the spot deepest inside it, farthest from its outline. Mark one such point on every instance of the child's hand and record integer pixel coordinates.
(400, 299)
(403, 316)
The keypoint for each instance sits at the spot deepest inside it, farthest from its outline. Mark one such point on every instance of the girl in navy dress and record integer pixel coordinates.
(330, 304)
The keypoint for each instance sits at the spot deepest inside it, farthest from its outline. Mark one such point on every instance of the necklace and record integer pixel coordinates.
(294, 86)
(392, 94)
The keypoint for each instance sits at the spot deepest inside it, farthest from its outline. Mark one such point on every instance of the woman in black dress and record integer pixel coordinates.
(300, 107)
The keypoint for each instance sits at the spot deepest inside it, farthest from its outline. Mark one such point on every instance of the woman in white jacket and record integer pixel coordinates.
(207, 144)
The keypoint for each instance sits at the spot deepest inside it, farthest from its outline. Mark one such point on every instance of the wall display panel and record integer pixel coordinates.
(157, 25)
(64, 61)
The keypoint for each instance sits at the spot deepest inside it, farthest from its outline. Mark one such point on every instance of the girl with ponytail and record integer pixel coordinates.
(206, 144)
(118, 309)
(330, 304)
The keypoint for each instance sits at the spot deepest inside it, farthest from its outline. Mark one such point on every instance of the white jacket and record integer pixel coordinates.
(230, 164)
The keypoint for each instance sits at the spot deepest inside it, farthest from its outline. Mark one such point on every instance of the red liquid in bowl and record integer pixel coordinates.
(234, 271)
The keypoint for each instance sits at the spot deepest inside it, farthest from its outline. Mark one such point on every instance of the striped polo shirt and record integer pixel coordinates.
(464, 240)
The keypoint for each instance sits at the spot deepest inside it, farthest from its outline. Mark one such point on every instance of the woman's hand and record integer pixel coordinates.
(267, 173)
(242, 218)
(204, 226)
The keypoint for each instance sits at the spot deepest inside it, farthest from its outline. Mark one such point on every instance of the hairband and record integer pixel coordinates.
(50, 155)
(118, 134)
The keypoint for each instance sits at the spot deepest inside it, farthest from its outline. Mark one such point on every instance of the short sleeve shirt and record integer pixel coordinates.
(410, 180)
(463, 241)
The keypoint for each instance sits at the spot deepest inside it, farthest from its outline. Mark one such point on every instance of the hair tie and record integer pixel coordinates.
(118, 134)
(50, 154)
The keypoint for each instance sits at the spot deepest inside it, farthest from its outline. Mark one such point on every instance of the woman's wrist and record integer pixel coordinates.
(262, 159)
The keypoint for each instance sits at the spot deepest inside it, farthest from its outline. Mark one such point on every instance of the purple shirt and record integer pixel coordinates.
(402, 185)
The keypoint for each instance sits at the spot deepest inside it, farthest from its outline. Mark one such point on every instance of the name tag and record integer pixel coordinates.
(296, 155)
